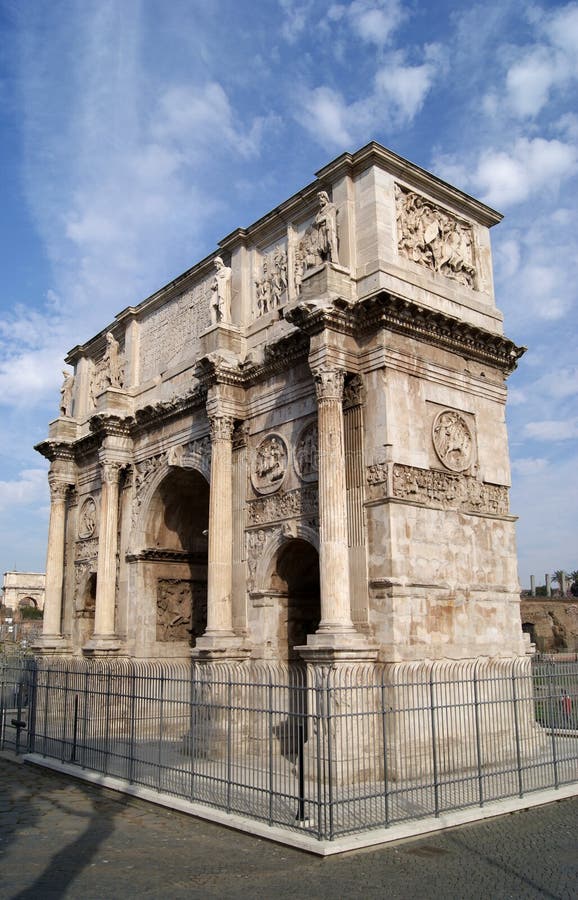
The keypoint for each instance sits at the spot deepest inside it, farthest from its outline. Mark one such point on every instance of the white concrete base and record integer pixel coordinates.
(301, 841)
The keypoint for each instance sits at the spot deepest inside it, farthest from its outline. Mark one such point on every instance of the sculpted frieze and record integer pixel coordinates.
(431, 237)
(269, 464)
(86, 549)
(181, 609)
(284, 505)
(271, 285)
(436, 489)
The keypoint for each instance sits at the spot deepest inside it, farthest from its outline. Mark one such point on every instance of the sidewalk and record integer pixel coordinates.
(61, 838)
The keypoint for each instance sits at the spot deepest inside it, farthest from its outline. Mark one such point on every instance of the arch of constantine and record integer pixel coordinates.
(297, 448)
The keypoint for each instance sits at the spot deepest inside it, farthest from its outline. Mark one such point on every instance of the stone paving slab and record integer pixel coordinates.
(61, 838)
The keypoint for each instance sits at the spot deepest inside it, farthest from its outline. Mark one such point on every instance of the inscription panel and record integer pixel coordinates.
(173, 329)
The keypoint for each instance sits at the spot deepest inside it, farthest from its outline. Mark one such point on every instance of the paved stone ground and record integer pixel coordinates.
(67, 839)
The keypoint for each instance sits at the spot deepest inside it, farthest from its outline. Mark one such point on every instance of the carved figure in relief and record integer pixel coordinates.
(66, 394)
(87, 524)
(429, 236)
(221, 293)
(452, 440)
(272, 284)
(269, 465)
(306, 453)
(326, 222)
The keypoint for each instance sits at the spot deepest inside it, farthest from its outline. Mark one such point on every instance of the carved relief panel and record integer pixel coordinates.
(181, 609)
(430, 236)
(87, 519)
(271, 282)
(305, 457)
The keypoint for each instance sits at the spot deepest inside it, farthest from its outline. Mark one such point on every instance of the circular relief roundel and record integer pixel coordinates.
(269, 464)
(452, 440)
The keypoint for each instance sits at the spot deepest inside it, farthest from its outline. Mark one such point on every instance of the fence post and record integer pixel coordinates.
(517, 733)
(553, 729)
(478, 736)
(385, 763)
(270, 729)
(32, 669)
(132, 723)
(434, 747)
(229, 736)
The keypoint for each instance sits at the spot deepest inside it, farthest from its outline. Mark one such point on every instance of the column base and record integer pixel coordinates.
(330, 647)
(51, 645)
(102, 645)
(220, 645)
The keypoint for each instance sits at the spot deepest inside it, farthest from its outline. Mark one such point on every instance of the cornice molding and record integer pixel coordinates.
(402, 316)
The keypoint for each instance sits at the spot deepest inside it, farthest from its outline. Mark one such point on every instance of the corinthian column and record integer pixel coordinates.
(333, 546)
(104, 638)
(52, 623)
(220, 575)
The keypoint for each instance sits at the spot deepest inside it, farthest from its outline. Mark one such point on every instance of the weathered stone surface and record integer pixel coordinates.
(308, 428)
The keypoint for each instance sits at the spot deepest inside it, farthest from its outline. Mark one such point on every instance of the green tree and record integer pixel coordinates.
(560, 576)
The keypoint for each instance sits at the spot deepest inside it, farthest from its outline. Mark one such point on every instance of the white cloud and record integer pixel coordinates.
(516, 397)
(399, 92)
(30, 488)
(295, 19)
(405, 87)
(552, 430)
(529, 81)
(529, 466)
(559, 384)
(325, 114)
(374, 21)
(534, 164)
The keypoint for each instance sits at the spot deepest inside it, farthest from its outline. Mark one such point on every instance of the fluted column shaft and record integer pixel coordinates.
(104, 619)
(51, 626)
(333, 545)
(220, 574)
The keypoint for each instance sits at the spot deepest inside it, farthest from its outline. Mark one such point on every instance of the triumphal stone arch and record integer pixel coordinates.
(297, 448)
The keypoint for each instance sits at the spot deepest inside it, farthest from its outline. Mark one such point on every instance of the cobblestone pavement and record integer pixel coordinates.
(64, 838)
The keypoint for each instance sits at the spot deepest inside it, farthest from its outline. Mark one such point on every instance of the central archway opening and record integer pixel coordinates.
(298, 573)
(176, 556)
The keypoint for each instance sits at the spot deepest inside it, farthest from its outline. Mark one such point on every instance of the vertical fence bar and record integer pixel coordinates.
(229, 727)
(385, 748)
(33, 672)
(478, 737)
(517, 735)
(552, 721)
(270, 738)
(434, 747)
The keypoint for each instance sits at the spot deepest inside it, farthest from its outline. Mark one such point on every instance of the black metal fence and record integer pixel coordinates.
(332, 751)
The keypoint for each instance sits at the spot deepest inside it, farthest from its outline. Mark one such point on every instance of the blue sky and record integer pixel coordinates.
(137, 133)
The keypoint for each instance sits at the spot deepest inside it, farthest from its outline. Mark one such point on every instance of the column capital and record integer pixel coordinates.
(110, 471)
(221, 427)
(329, 381)
(59, 489)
